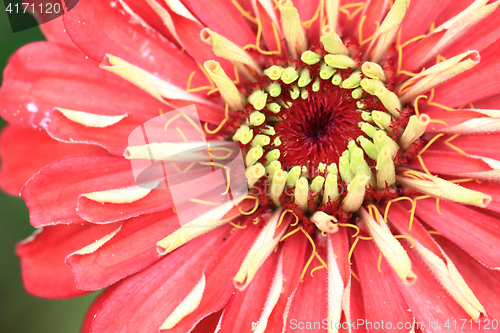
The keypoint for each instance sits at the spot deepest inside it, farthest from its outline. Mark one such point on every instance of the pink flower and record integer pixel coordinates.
(369, 132)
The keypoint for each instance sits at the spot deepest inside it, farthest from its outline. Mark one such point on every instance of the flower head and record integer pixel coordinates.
(367, 135)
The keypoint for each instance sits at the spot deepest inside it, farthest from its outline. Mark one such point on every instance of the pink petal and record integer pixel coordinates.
(219, 274)
(485, 283)
(44, 272)
(138, 44)
(155, 292)
(476, 233)
(453, 94)
(114, 138)
(383, 301)
(431, 305)
(294, 259)
(23, 152)
(95, 307)
(52, 195)
(132, 249)
(245, 307)
(309, 303)
(222, 17)
(41, 76)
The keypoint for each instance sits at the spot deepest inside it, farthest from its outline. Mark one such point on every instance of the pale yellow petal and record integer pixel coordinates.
(234, 99)
(440, 73)
(291, 25)
(388, 30)
(196, 228)
(188, 305)
(122, 195)
(226, 49)
(391, 249)
(335, 289)
(91, 119)
(259, 252)
(457, 26)
(444, 189)
(156, 87)
(272, 297)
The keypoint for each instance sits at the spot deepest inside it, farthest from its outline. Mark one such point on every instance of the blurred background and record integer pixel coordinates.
(19, 311)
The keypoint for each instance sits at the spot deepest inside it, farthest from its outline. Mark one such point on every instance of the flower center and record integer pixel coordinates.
(323, 132)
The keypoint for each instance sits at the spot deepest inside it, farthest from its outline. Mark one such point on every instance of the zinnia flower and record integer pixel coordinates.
(369, 133)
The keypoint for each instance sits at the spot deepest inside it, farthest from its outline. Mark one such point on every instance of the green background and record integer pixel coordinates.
(19, 311)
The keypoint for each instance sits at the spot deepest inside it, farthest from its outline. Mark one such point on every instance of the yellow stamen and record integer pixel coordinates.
(204, 202)
(250, 212)
(243, 12)
(449, 144)
(360, 32)
(226, 117)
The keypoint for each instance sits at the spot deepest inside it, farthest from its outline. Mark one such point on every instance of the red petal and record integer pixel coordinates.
(132, 249)
(307, 9)
(23, 152)
(294, 259)
(155, 201)
(420, 16)
(54, 32)
(357, 308)
(309, 304)
(461, 90)
(479, 145)
(340, 244)
(114, 138)
(478, 38)
(52, 195)
(150, 17)
(383, 301)
(375, 11)
(44, 272)
(485, 283)
(453, 163)
(95, 307)
(490, 188)
(431, 305)
(97, 212)
(41, 76)
(208, 324)
(138, 44)
(188, 34)
(476, 233)
(142, 302)
(219, 273)
(222, 17)
(245, 307)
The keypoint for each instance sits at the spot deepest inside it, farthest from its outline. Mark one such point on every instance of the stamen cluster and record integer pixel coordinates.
(323, 132)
